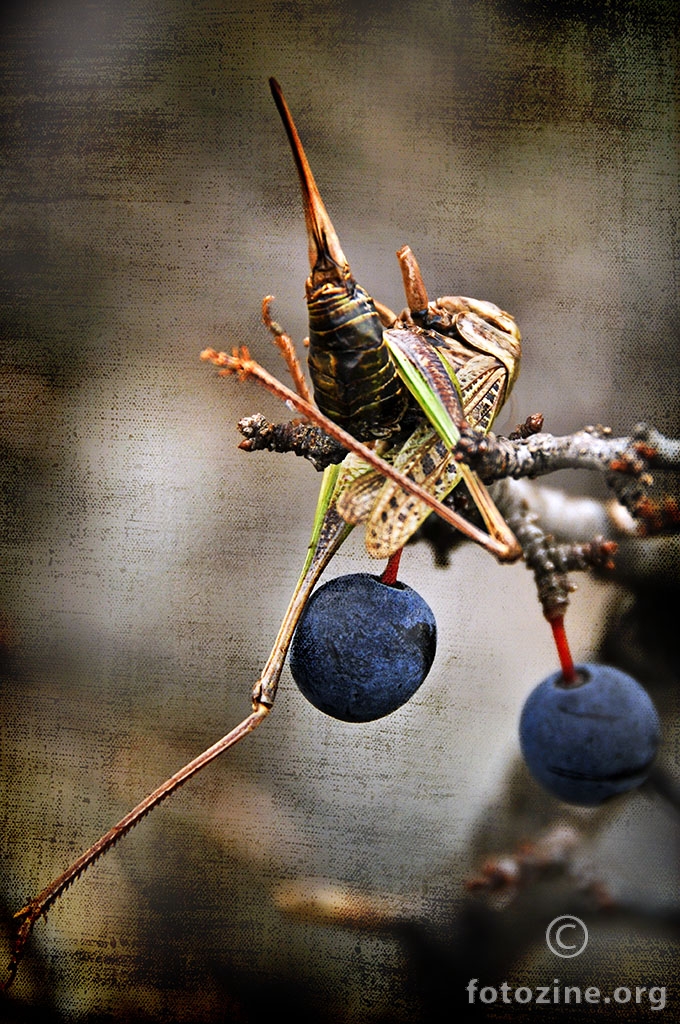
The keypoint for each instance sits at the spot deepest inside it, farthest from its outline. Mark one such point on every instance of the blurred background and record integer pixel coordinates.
(528, 153)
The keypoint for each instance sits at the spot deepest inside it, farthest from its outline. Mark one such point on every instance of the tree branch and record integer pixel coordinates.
(624, 462)
(301, 438)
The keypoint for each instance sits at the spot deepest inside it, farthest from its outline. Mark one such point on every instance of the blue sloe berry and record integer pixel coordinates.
(590, 740)
(362, 647)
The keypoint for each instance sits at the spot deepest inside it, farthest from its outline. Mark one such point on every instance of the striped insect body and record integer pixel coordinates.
(355, 380)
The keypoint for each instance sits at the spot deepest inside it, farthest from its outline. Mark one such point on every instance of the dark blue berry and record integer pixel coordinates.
(362, 647)
(589, 741)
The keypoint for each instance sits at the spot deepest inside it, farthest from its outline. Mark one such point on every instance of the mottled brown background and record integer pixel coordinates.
(528, 153)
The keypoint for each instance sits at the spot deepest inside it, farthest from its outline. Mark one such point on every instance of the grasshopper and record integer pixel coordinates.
(453, 362)
(396, 391)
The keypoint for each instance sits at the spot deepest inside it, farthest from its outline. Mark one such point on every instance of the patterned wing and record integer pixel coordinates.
(357, 501)
(464, 375)
(477, 388)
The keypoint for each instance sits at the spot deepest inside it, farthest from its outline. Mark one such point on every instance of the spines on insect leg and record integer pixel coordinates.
(41, 904)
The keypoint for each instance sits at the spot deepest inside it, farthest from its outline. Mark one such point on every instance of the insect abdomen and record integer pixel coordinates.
(355, 380)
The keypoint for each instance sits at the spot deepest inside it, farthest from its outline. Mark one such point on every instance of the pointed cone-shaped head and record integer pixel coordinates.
(326, 259)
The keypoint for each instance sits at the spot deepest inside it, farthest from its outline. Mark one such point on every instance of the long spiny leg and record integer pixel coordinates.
(40, 904)
(328, 534)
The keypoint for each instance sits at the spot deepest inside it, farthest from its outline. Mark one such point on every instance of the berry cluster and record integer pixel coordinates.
(364, 646)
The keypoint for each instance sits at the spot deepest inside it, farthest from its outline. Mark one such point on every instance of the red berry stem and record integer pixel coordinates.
(389, 576)
(563, 652)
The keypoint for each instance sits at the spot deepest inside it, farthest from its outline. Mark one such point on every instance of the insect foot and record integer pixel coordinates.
(592, 739)
(362, 647)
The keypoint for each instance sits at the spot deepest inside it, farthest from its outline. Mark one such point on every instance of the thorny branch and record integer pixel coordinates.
(625, 462)
(296, 436)
(549, 560)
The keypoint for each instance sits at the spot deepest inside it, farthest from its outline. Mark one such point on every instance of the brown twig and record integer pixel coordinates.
(301, 438)
(541, 554)
(625, 462)
(285, 345)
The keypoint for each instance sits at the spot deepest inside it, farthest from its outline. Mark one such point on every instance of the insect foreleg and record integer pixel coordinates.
(287, 349)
